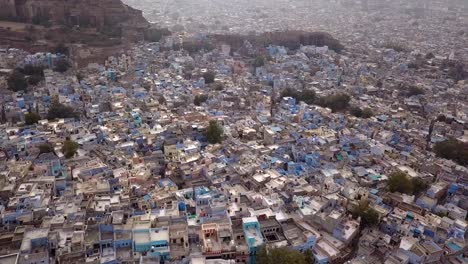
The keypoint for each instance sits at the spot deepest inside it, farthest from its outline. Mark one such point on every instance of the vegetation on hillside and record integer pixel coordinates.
(399, 181)
(452, 149)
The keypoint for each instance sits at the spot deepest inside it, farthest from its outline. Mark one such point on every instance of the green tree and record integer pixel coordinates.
(452, 149)
(70, 148)
(367, 113)
(209, 77)
(200, 99)
(58, 110)
(156, 34)
(414, 90)
(3, 118)
(356, 111)
(218, 86)
(259, 61)
(61, 48)
(281, 255)
(61, 65)
(43, 20)
(35, 79)
(307, 96)
(336, 102)
(17, 82)
(396, 46)
(214, 132)
(46, 148)
(369, 216)
(418, 185)
(429, 56)
(32, 70)
(399, 181)
(31, 118)
(194, 46)
(309, 256)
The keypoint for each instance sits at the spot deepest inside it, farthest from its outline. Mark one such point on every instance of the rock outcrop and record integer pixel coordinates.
(85, 13)
(88, 23)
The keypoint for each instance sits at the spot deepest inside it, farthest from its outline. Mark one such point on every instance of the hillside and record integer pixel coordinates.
(99, 27)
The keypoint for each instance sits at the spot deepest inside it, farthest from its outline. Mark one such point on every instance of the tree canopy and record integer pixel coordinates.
(61, 65)
(214, 132)
(70, 148)
(17, 82)
(35, 73)
(399, 181)
(46, 148)
(200, 99)
(362, 113)
(307, 96)
(369, 216)
(259, 61)
(58, 110)
(209, 77)
(218, 86)
(61, 48)
(194, 46)
(281, 255)
(452, 149)
(455, 70)
(336, 102)
(156, 34)
(31, 118)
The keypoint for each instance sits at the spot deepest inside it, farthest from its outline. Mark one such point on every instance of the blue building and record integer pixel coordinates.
(152, 241)
(253, 236)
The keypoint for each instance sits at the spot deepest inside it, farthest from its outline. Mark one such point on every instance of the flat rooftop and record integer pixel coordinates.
(9, 259)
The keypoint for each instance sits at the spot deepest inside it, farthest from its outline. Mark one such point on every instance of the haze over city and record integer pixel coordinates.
(242, 131)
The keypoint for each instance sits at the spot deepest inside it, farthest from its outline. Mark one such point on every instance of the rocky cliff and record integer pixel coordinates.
(85, 13)
(93, 23)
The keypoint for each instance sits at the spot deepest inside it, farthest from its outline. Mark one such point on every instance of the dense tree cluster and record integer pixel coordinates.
(214, 132)
(259, 61)
(156, 34)
(209, 77)
(290, 39)
(455, 70)
(31, 118)
(200, 99)
(218, 86)
(396, 46)
(33, 74)
(61, 65)
(61, 49)
(409, 90)
(42, 20)
(336, 102)
(45, 148)
(70, 148)
(194, 46)
(58, 110)
(369, 216)
(306, 96)
(362, 113)
(321, 39)
(282, 255)
(453, 149)
(399, 181)
(17, 82)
